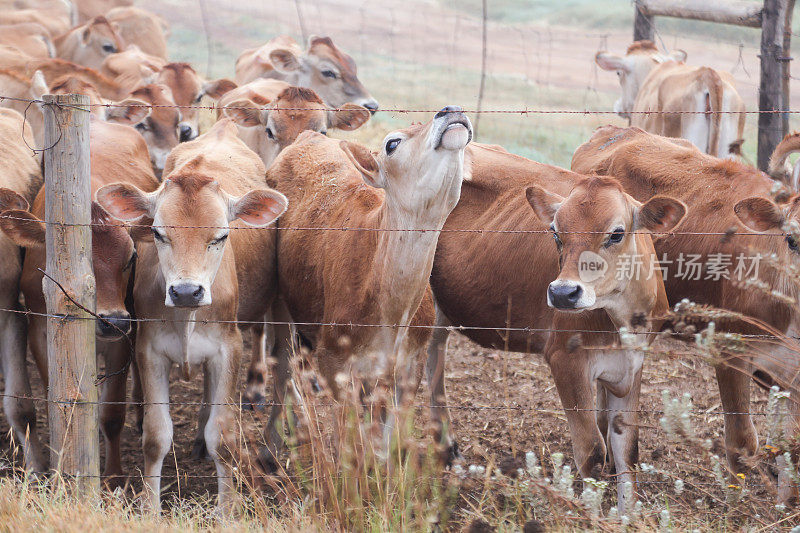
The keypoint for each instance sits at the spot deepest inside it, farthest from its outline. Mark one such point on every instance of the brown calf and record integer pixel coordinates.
(779, 167)
(323, 67)
(507, 281)
(256, 109)
(118, 153)
(188, 275)
(20, 175)
(664, 84)
(371, 276)
(714, 190)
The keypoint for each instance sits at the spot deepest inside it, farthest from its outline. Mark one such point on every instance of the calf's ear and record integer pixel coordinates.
(348, 117)
(260, 207)
(217, 88)
(125, 202)
(759, 214)
(245, 113)
(23, 228)
(365, 163)
(12, 200)
(284, 60)
(544, 203)
(608, 61)
(659, 214)
(129, 111)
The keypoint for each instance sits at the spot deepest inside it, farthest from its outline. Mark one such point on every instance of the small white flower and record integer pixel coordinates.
(678, 486)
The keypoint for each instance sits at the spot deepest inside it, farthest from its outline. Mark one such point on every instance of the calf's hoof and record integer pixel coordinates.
(268, 461)
(199, 450)
(254, 402)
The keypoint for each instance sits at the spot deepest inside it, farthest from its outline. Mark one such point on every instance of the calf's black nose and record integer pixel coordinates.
(186, 133)
(186, 294)
(448, 109)
(564, 296)
(113, 325)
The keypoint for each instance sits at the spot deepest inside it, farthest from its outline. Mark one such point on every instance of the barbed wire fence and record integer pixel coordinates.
(526, 111)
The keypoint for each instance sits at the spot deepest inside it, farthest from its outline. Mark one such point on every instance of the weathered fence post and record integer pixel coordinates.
(776, 22)
(642, 24)
(72, 367)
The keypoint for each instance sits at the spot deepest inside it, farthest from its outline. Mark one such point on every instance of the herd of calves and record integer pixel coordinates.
(236, 229)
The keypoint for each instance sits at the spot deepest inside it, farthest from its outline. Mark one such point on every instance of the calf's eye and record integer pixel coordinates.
(792, 243)
(616, 237)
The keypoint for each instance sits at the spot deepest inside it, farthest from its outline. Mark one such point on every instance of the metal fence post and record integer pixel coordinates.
(72, 366)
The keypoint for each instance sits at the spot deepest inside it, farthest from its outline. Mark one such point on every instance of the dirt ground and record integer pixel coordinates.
(504, 405)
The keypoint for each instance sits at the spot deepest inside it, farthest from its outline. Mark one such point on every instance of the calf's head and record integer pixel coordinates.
(633, 68)
(598, 231)
(188, 89)
(296, 109)
(161, 127)
(419, 165)
(98, 39)
(324, 68)
(113, 257)
(191, 216)
(761, 215)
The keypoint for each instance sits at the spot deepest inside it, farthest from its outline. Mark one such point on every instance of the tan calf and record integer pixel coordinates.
(55, 15)
(188, 89)
(188, 275)
(90, 43)
(20, 174)
(372, 277)
(515, 280)
(719, 195)
(118, 153)
(29, 38)
(665, 85)
(271, 114)
(88, 9)
(141, 28)
(323, 67)
(132, 67)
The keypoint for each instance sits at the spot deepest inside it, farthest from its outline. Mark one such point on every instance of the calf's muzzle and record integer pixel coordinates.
(113, 325)
(564, 294)
(186, 294)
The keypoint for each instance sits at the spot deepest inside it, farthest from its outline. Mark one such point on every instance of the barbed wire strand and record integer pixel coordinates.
(526, 111)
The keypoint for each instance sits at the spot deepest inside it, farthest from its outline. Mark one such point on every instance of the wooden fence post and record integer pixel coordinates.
(776, 20)
(642, 24)
(72, 367)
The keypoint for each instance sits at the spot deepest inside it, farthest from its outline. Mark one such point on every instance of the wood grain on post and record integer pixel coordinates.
(643, 28)
(773, 91)
(731, 12)
(72, 366)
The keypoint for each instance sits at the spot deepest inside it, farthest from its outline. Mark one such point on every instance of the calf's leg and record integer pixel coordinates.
(576, 389)
(157, 426)
(112, 409)
(741, 440)
(18, 407)
(220, 431)
(434, 369)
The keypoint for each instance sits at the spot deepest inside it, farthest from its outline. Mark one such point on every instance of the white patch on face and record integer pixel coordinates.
(455, 137)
